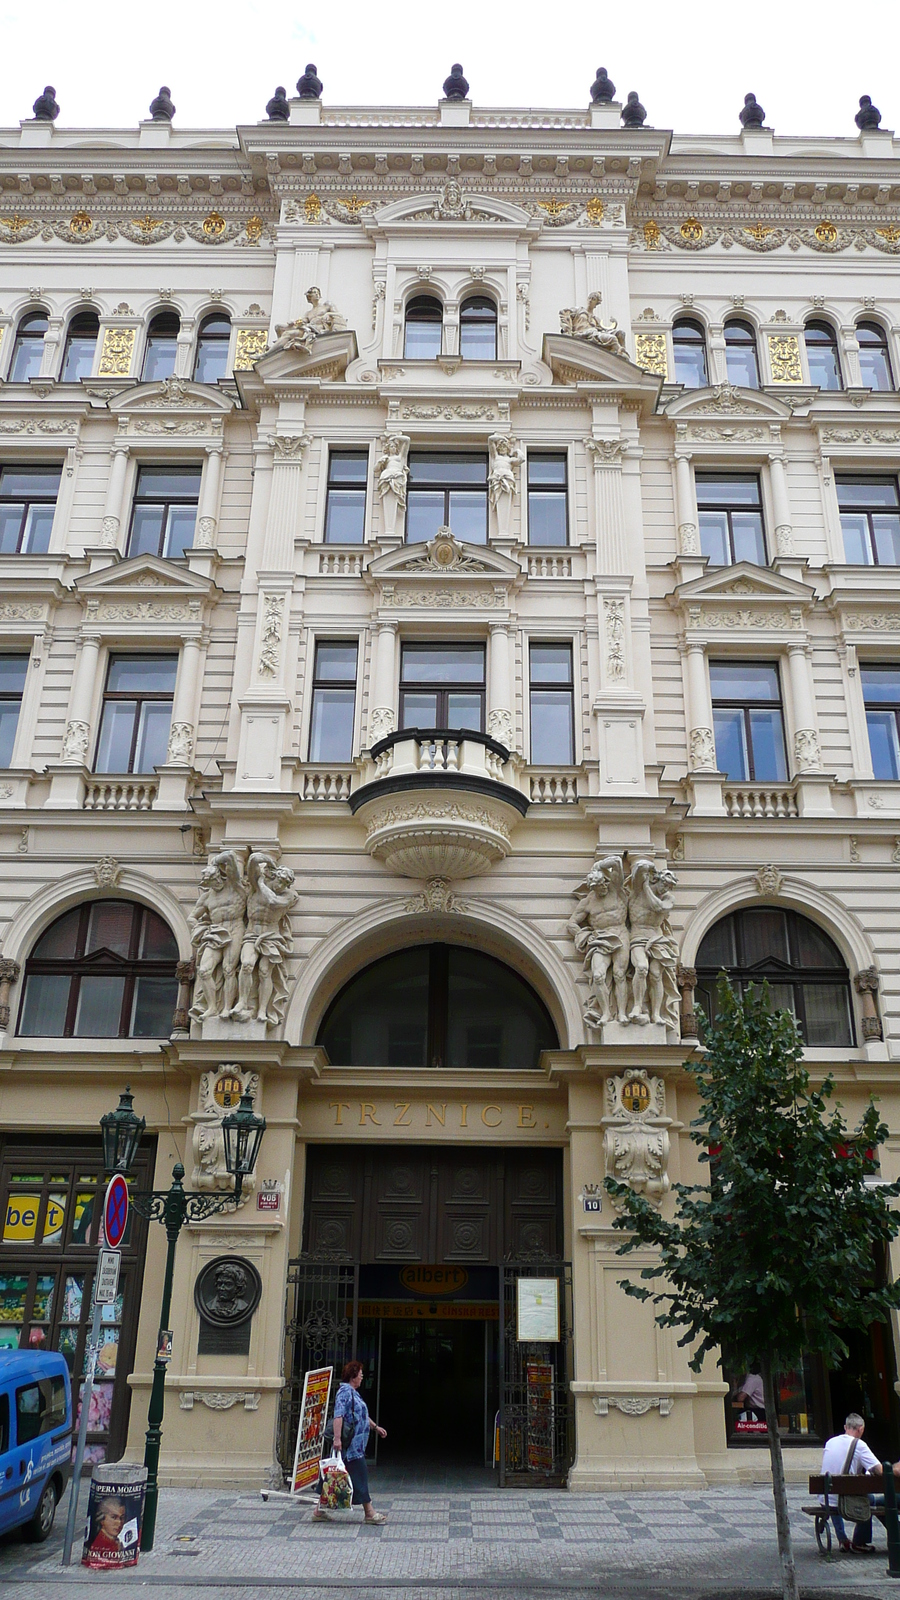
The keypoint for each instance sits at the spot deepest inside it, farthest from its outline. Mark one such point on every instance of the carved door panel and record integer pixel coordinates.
(532, 1205)
(466, 1223)
(334, 1208)
(399, 1206)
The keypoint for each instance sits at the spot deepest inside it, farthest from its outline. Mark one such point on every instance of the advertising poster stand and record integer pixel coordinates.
(112, 1535)
(310, 1439)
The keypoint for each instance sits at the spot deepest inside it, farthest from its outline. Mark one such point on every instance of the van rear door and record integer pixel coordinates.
(9, 1487)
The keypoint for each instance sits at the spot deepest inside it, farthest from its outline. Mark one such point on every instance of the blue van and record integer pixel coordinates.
(35, 1439)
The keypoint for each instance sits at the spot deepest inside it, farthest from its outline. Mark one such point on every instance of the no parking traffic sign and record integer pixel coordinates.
(115, 1211)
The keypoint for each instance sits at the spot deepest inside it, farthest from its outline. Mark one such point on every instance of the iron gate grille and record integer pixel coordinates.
(536, 1417)
(320, 1331)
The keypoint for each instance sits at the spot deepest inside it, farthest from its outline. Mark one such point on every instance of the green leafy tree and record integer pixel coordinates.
(775, 1254)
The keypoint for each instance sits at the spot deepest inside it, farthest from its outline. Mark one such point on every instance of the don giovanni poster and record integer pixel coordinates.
(311, 1432)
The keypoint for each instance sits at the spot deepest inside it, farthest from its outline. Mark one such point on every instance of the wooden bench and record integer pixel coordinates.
(836, 1484)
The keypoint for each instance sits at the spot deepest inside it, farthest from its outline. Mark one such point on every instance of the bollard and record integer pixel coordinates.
(891, 1519)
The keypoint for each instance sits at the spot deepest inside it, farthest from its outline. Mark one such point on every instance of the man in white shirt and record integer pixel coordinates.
(835, 1460)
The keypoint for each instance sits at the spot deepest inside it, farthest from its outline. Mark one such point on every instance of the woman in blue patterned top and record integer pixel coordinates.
(351, 1436)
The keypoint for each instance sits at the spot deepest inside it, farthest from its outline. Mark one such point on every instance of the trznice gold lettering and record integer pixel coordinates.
(402, 1118)
(450, 1115)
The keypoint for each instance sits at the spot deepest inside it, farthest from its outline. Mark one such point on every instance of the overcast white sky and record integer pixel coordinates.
(691, 62)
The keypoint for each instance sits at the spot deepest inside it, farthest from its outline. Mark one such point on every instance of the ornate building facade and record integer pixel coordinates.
(439, 632)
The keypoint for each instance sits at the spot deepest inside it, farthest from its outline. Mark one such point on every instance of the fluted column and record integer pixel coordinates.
(77, 737)
(115, 494)
(807, 757)
(609, 502)
(500, 718)
(701, 738)
(284, 502)
(686, 508)
(384, 677)
(781, 506)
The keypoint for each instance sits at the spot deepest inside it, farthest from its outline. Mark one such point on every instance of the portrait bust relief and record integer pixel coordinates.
(226, 1293)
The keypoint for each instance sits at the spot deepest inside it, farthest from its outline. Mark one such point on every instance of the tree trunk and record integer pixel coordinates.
(779, 1494)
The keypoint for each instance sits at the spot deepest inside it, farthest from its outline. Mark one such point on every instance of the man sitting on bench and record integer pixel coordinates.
(844, 1454)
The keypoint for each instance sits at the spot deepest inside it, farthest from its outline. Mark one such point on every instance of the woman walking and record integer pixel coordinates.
(351, 1436)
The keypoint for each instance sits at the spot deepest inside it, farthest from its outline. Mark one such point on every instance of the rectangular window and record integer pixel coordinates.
(27, 506)
(548, 519)
(731, 521)
(12, 687)
(552, 706)
(870, 520)
(442, 686)
(446, 491)
(333, 701)
(137, 713)
(345, 500)
(748, 722)
(164, 511)
(881, 692)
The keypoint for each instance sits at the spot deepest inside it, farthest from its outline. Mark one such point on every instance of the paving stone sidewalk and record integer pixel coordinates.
(459, 1546)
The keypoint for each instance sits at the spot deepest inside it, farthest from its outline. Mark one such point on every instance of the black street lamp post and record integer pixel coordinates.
(242, 1131)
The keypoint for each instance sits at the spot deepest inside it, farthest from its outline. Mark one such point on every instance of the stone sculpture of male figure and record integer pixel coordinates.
(654, 951)
(266, 942)
(217, 931)
(599, 928)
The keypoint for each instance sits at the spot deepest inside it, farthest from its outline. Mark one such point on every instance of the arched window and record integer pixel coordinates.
(212, 348)
(478, 329)
(424, 321)
(802, 966)
(741, 360)
(874, 360)
(105, 970)
(822, 355)
(437, 1005)
(81, 342)
(689, 342)
(162, 339)
(28, 349)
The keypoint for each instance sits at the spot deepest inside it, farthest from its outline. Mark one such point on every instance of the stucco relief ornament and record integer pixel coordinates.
(75, 741)
(621, 928)
(806, 750)
(506, 455)
(107, 872)
(581, 322)
(240, 929)
(302, 334)
(181, 744)
(214, 1102)
(391, 474)
(768, 880)
(703, 750)
(636, 1137)
(452, 205)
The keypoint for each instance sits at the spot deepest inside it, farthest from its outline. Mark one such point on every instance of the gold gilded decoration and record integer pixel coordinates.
(892, 235)
(254, 229)
(652, 234)
(80, 222)
(214, 225)
(14, 224)
(595, 210)
(116, 354)
(650, 353)
(635, 1096)
(692, 229)
(312, 205)
(354, 203)
(146, 223)
(250, 344)
(553, 207)
(759, 232)
(228, 1090)
(784, 358)
(826, 233)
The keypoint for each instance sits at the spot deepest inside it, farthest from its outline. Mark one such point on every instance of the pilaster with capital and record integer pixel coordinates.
(781, 506)
(866, 985)
(500, 717)
(806, 753)
(77, 735)
(686, 978)
(210, 496)
(609, 504)
(703, 777)
(113, 510)
(686, 514)
(9, 972)
(381, 714)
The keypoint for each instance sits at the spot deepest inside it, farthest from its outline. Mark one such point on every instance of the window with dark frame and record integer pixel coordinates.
(105, 970)
(81, 342)
(741, 358)
(447, 490)
(423, 328)
(442, 686)
(137, 713)
(870, 519)
(478, 329)
(345, 496)
(552, 692)
(162, 347)
(333, 700)
(729, 508)
(438, 1006)
(748, 721)
(164, 511)
(213, 339)
(689, 346)
(874, 356)
(28, 498)
(548, 498)
(804, 969)
(822, 355)
(28, 350)
(13, 672)
(881, 693)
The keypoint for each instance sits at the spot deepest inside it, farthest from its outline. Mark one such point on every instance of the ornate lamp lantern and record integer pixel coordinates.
(242, 1131)
(122, 1130)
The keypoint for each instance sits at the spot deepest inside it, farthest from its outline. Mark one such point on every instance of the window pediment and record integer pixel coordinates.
(574, 360)
(327, 361)
(727, 401)
(172, 394)
(146, 589)
(742, 599)
(444, 557)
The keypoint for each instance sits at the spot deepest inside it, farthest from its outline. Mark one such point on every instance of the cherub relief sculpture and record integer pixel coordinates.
(302, 334)
(391, 474)
(621, 928)
(583, 323)
(242, 934)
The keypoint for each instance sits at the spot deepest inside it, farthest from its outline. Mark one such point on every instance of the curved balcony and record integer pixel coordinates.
(439, 802)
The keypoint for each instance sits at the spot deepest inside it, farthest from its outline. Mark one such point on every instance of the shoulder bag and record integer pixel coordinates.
(853, 1507)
